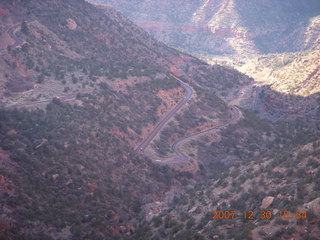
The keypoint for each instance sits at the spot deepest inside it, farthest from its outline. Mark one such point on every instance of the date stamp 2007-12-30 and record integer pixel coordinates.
(253, 215)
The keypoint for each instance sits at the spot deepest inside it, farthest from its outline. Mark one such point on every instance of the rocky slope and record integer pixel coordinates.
(299, 77)
(276, 171)
(287, 84)
(220, 27)
(293, 90)
(89, 86)
(288, 31)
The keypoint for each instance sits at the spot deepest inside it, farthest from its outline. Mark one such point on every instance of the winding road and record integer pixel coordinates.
(180, 156)
(63, 98)
(11, 31)
(143, 145)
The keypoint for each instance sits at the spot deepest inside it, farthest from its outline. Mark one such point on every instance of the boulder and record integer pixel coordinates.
(71, 24)
(266, 202)
(55, 176)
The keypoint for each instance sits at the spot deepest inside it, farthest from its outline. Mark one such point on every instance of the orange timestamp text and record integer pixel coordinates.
(253, 215)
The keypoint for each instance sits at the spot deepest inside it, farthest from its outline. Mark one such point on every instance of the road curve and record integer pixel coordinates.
(180, 156)
(11, 31)
(143, 145)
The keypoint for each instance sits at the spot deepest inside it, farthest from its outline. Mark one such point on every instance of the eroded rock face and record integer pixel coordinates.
(226, 26)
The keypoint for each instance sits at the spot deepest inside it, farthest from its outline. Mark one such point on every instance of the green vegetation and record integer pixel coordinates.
(77, 176)
(271, 161)
(206, 108)
(70, 169)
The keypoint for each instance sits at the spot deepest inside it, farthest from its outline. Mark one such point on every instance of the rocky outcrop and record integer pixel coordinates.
(227, 26)
(266, 202)
(300, 77)
(71, 24)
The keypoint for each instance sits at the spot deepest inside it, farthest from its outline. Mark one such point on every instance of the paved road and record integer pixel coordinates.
(143, 145)
(11, 31)
(64, 98)
(180, 156)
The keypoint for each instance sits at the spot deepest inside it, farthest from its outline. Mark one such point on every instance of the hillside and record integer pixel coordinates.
(41, 50)
(293, 89)
(81, 87)
(275, 42)
(299, 77)
(286, 85)
(251, 168)
(227, 27)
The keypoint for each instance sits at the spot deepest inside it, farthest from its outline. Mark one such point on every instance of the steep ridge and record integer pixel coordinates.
(222, 27)
(68, 170)
(89, 85)
(300, 77)
(286, 85)
(225, 25)
(280, 26)
(244, 29)
(106, 44)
